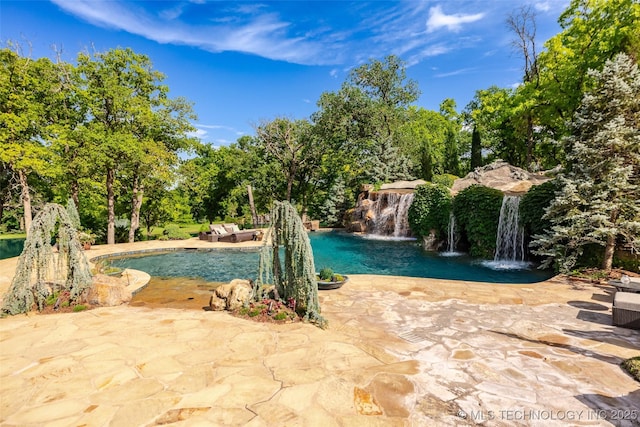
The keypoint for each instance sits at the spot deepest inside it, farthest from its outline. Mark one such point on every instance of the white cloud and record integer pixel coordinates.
(436, 50)
(264, 35)
(455, 72)
(273, 32)
(198, 133)
(437, 19)
(542, 6)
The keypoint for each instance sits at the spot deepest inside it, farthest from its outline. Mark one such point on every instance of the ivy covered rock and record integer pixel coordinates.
(477, 212)
(429, 212)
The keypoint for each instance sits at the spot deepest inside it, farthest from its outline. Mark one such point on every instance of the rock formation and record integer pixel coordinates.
(383, 212)
(502, 176)
(232, 295)
(108, 291)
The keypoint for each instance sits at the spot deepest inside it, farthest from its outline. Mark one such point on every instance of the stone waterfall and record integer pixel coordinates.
(510, 236)
(391, 215)
(382, 213)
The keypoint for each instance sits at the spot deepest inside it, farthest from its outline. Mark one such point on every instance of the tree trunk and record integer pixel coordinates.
(75, 190)
(254, 214)
(111, 212)
(609, 249)
(136, 203)
(26, 200)
(4, 196)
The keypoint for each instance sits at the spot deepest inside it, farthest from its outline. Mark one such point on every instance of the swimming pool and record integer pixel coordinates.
(342, 252)
(11, 247)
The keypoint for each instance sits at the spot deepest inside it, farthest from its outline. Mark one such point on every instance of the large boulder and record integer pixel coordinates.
(231, 296)
(241, 292)
(502, 176)
(403, 185)
(108, 291)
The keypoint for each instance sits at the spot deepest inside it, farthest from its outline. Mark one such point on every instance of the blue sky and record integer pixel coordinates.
(243, 62)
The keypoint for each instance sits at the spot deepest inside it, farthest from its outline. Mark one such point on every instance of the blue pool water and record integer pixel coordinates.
(10, 247)
(342, 252)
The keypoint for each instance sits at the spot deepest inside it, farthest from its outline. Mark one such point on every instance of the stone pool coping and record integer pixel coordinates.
(398, 351)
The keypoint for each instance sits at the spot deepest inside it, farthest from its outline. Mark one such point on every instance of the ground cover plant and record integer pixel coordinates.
(632, 366)
(269, 310)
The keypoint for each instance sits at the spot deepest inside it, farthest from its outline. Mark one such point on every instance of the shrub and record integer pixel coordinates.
(633, 367)
(430, 209)
(326, 274)
(445, 180)
(174, 232)
(280, 316)
(477, 212)
(79, 307)
(533, 205)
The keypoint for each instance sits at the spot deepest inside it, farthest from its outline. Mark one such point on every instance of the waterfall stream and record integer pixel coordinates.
(510, 237)
(391, 215)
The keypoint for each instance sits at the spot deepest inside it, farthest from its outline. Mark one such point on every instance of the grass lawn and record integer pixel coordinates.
(192, 229)
(4, 236)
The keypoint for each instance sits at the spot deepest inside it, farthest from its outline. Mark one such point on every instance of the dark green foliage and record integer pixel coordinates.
(633, 367)
(627, 260)
(445, 180)
(476, 149)
(477, 212)
(533, 205)
(451, 153)
(430, 209)
(326, 274)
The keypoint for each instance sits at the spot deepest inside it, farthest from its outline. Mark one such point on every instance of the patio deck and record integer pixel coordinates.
(398, 351)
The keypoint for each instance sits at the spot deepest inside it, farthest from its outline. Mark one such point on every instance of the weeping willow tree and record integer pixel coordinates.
(296, 279)
(41, 272)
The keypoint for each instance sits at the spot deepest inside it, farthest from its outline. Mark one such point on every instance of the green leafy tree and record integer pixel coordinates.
(593, 31)
(598, 202)
(132, 128)
(26, 88)
(291, 145)
(423, 138)
(360, 122)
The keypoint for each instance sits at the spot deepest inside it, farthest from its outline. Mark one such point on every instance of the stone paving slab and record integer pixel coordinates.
(398, 351)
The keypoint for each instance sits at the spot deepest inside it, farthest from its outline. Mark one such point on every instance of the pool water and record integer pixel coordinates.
(342, 252)
(10, 247)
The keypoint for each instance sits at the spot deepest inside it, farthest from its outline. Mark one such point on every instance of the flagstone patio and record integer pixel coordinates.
(398, 351)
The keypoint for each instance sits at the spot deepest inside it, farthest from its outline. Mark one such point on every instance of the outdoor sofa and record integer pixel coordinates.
(229, 233)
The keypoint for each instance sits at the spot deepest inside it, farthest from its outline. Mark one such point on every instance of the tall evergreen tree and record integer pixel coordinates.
(476, 149)
(451, 154)
(599, 200)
